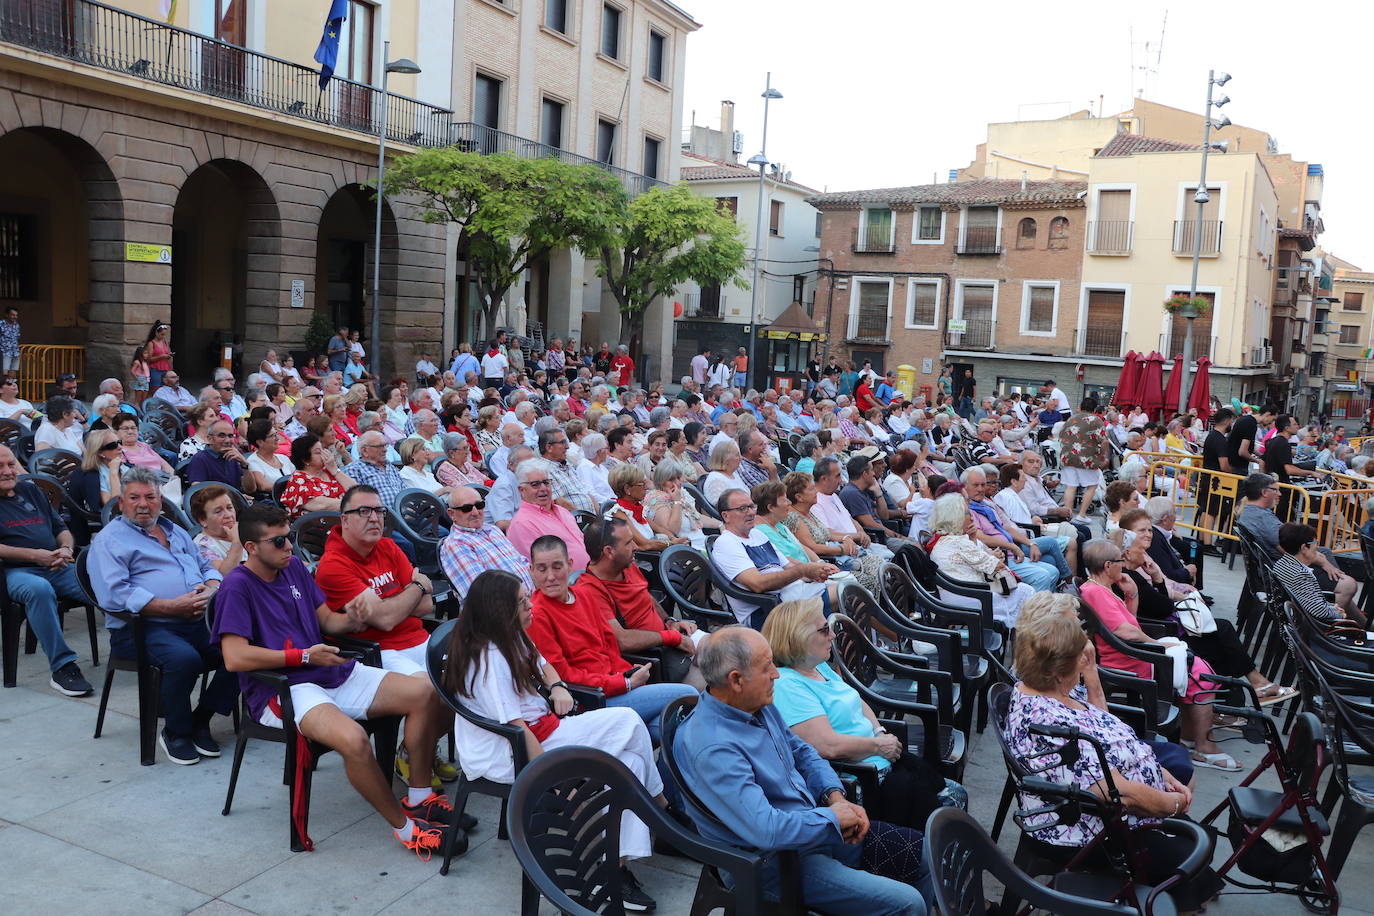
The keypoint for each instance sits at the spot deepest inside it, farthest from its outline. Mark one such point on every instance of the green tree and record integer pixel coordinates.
(667, 237)
(512, 211)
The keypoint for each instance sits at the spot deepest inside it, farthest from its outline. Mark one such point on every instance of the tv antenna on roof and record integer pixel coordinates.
(1149, 66)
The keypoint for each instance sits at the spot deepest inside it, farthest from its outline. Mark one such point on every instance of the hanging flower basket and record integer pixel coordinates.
(1187, 306)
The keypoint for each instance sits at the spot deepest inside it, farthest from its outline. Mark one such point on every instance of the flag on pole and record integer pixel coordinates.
(1369, 353)
(327, 54)
(168, 9)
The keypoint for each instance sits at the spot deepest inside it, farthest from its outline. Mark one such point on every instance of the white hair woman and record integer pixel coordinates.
(964, 559)
(723, 464)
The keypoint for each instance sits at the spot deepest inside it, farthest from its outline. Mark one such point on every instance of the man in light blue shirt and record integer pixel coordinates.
(504, 497)
(143, 564)
(766, 789)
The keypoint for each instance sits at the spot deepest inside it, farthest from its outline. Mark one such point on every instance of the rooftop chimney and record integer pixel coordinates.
(727, 128)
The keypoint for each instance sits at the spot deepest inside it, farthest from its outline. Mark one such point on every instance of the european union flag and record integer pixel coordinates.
(327, 54)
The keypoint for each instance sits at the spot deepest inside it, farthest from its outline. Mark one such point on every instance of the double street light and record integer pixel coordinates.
(761, 160)
(1201, 198)
(403, 65)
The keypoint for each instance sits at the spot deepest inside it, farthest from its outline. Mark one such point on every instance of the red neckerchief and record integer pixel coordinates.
(493, 352)
(636, 509)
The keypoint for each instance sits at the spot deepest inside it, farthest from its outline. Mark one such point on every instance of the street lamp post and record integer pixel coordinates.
(761, 160)
(1200, 198)
(403, 65)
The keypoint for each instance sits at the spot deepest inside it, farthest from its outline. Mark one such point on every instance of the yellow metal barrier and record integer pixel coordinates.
(41, 364)
(1210, 490)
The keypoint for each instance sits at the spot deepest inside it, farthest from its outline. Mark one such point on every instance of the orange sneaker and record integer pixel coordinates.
(425, 838)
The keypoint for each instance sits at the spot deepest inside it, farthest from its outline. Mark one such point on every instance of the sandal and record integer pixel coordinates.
(1271, 693)
(1218, 761)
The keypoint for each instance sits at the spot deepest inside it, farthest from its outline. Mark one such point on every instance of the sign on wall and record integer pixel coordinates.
(298, 294)
(156, 254)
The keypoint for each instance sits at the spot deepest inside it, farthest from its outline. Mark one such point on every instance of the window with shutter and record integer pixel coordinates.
(1040, 309)
(923, 303)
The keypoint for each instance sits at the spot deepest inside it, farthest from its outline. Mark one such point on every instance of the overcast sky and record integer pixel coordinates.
(881, 93)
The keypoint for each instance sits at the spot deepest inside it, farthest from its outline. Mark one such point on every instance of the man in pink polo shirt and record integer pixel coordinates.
(539, 515)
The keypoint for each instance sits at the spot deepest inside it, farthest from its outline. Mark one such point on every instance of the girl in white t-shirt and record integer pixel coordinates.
(493, 669)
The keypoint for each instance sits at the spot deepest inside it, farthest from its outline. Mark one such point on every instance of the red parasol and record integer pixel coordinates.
(1150, 392)
(1200, 399)
(1125, 386)
(1171, 391)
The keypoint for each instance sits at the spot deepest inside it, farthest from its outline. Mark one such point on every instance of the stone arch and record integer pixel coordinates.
(63, 214)
(344, 261)
(226, 271)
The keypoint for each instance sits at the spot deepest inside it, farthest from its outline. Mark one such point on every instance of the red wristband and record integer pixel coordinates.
(671, 638)
(293, 657)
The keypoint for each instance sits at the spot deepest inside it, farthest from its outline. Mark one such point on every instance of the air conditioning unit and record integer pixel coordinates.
(1268, 356)
(737, 143)
(1261, 356)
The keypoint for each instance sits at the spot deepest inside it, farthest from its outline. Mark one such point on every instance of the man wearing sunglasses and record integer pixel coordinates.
(234, 405)
(474, 545)
(365, 576)
(271, 616)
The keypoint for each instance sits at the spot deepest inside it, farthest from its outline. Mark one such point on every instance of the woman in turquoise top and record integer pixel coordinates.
(809, 448)
(770, 499)
(829, 715)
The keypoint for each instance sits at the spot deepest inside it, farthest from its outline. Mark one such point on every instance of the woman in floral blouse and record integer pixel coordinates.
(1057, 667)
(1083, 453)
(319, 485)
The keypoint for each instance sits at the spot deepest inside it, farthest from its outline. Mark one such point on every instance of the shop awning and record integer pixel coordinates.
(793, 324)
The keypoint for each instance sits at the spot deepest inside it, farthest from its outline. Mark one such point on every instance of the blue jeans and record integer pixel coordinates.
(182, 649)
(1052, 552)
(36, 590)
(649, 701)
(741, 379)
(1041, 576)
(838, 880)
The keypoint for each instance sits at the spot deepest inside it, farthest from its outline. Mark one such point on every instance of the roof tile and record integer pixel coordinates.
(976, 191)
(1125, 144)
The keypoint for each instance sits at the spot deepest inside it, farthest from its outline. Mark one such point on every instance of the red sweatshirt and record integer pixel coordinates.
(578, 642)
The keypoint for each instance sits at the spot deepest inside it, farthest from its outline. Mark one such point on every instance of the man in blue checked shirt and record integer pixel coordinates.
(771, 791)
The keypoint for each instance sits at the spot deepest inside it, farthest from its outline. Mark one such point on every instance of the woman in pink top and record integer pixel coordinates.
(1117, 612)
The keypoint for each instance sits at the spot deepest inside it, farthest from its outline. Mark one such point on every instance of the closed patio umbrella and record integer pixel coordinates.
(1150, 393)
(1174, 388)
(1200, 398)
(1125, 386)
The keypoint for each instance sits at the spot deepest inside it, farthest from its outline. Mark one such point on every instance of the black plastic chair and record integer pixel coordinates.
(712, 893)
(1162, 669)
(55, 462)
(168, 420)
(385, 732)
(436, 659)
(687, 581)
(311, 531)
(583, 518)
(930, 696)
(18, 437)
(903, 595)
(758, 601)
(703, 504)
(959, 854)
(278, 488)
(565, 813)
(423, 519)
(149, 674)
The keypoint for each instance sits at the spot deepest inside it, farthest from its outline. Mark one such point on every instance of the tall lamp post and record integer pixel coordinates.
(403, 65)
(761, 160)
(1201, 198)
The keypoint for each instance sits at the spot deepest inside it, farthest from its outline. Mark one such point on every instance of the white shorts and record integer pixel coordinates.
(407, 661)
(1079, 477)
(353, 697)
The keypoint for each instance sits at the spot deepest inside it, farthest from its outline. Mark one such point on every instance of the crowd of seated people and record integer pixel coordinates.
(558, 483)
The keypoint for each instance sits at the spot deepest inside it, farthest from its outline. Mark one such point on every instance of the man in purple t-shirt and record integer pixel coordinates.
(270, 615)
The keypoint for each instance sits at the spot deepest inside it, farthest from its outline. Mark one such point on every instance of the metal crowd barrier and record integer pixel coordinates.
(41, 364)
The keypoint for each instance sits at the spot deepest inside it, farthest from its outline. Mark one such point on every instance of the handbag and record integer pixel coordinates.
(1346, 630)
(1003, 582)
(1195, 616)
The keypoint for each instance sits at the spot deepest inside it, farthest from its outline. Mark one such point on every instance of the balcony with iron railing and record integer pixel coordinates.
(705, 303)
(146, 49)
(1110, 236)
(1103, 341)
(473, 137)
(870, 326)
(976, 336)
(981, 240)
(1186, 233)
(874, 240)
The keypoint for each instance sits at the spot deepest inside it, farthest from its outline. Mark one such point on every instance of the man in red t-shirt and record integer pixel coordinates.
(622, 367)
(616, 588)
(366, 576)
(575, 639)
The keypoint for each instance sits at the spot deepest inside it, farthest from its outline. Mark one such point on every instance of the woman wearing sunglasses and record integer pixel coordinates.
(97, 482)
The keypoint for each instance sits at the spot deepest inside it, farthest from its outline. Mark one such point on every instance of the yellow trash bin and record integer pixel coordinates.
(906, 380)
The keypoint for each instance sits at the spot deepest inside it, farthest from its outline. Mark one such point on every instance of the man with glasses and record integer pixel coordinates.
(728, 430)
(539, 515)
(114, 386)
(1023, 553)
(367, 577)
(224, 384)
(271, 616)
(474, 545)
(141, 563)
(221, 461)
(1262, 494)
(568, 490)
(372, 468)
(172, 392)
(744, 554)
